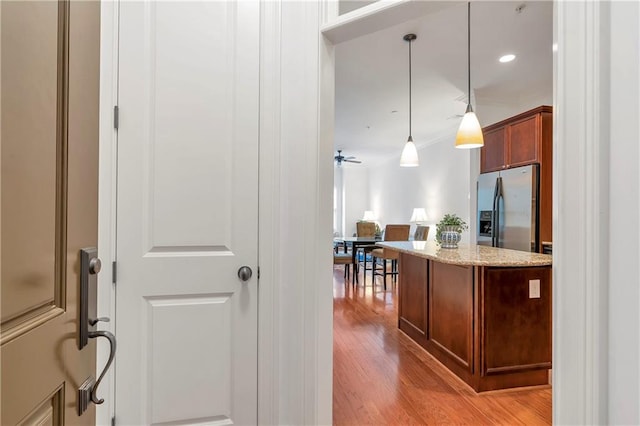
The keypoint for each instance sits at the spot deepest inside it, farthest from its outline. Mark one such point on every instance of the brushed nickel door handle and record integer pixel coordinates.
(245, 273)
(112, 353)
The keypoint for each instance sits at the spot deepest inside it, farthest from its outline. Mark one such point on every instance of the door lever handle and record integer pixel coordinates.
(112, 354)
(94, 321)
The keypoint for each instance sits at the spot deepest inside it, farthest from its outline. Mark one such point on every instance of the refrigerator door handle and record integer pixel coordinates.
(497, 211)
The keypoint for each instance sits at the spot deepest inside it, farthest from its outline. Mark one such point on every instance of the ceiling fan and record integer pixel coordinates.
(341, 158)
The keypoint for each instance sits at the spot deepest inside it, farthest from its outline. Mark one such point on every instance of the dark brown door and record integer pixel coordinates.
(49, 191)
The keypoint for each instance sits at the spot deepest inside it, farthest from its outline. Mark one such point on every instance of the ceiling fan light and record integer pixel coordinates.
(469, 133)
(409, 157)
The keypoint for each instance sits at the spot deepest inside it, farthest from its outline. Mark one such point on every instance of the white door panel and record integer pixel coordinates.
(187, 212)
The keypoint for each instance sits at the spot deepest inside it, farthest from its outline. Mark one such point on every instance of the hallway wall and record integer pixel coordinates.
(440, 184)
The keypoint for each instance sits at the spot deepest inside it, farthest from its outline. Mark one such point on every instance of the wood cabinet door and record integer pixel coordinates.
(413, 301)
(523, 142)
(492, 154)
(512, 315)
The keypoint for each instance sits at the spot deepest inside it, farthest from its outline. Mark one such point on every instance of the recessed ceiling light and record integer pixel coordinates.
(507, 58)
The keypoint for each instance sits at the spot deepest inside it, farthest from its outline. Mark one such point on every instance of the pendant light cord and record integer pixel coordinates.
(469, 52)
(410, 41)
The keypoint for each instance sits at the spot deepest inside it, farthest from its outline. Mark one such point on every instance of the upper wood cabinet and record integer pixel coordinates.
(492, 154)
(516, 141)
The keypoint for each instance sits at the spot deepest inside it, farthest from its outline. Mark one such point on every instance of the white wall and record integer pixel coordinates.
(441, 184)
(624, 212)
(490, 112)
(338, 201)
(356, 196)
(302, 131)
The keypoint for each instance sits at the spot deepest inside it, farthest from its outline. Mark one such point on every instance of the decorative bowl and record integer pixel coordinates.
(450, 237)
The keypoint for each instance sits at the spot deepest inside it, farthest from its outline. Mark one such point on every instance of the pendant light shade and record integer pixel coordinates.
(409, 157)
(469, 133)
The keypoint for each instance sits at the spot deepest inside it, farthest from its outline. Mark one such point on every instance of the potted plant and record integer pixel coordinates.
(449, 230)
(378, 231)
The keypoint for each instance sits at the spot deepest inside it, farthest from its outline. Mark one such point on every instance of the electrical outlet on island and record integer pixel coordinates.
(534, 289)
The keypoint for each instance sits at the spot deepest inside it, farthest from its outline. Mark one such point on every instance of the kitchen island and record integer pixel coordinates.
(483, 312)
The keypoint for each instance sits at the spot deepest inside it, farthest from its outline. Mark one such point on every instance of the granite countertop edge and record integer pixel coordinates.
(469, 255)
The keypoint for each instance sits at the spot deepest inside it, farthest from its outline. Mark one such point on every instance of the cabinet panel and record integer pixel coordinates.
(512, 315)
(523, 142)
(451, 312)
(492, 154)
(412, 309)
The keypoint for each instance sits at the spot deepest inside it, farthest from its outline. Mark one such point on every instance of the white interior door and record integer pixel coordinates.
(187, 213)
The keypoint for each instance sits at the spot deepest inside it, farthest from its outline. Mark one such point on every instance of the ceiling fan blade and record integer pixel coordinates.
(351, 157)
(352, 161)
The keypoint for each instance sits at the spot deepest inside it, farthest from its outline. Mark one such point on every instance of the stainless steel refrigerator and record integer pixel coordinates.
(507, 212)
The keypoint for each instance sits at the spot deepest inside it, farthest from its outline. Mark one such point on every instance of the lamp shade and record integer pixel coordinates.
(368, 216)
(409, 157)
(469, 133)
(419, 215)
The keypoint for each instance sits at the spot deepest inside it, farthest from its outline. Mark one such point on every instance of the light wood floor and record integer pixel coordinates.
(380, 376)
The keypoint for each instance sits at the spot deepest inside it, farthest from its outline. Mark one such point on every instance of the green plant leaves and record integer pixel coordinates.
(450, 220)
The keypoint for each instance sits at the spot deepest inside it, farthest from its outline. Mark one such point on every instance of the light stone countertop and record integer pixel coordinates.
(469, 255)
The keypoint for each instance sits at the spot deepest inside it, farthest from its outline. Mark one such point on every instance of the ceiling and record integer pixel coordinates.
(372, 85)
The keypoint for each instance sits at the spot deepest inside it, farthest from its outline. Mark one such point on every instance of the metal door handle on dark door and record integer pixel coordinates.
(90, 266)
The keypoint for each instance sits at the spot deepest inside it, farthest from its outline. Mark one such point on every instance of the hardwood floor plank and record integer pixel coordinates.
(381, 376)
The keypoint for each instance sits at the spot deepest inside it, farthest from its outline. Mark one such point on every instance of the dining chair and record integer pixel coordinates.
(391, 233)
(346, 260)
(421, 233)
(364, 229)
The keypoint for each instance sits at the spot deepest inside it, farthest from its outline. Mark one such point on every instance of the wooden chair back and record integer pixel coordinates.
(396, 232)
(366, 229)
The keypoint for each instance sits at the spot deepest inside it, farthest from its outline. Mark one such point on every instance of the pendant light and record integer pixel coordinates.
(409, 157)
(469, 133)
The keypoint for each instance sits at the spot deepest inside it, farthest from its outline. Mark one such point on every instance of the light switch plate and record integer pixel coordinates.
(534, 289)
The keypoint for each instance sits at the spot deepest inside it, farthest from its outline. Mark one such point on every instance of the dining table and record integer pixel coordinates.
(354, 243)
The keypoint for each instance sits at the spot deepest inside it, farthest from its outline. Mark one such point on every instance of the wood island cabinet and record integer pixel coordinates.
(482, 322)
(519, 141)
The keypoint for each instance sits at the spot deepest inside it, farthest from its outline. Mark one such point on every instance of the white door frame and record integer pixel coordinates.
(107, 195)
(295, 165)
(596, 346)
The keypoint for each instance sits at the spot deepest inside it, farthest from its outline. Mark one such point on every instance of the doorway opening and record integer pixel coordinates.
(370, 123)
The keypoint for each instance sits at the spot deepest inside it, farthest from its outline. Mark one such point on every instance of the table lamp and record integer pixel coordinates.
(368, 216)
(418, 216)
